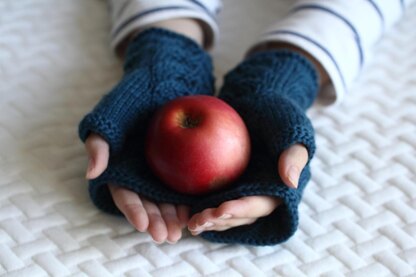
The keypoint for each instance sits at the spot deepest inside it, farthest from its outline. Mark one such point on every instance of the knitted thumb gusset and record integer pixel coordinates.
(271, 91)
(159, 66)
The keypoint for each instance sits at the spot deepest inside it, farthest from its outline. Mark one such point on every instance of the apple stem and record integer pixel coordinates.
(189, 121)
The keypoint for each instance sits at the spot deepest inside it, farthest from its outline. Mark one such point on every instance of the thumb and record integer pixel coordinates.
(98, 152)
(291, 163)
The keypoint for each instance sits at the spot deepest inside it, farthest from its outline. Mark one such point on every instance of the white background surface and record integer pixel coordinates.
(358, 215)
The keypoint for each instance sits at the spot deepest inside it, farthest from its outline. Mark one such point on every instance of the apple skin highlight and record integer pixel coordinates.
(197, 144)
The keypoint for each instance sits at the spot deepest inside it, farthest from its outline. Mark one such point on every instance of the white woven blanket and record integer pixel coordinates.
(358, 215)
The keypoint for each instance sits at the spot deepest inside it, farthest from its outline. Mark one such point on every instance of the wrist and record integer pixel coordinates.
(276, 45)
(276, 73)
(187, 27)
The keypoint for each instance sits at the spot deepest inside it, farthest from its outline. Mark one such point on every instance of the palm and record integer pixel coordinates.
(164, 222)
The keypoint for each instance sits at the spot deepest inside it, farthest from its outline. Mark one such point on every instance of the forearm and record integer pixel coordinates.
(129, 16)
(339, 34)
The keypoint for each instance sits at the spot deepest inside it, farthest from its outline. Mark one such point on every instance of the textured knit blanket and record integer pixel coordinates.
(357, 216)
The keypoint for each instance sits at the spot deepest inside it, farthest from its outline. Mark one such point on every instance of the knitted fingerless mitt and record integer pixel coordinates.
(271, 91)
(159, 66)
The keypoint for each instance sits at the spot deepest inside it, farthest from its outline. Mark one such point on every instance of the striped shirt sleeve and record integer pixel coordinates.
(338, 33)
(130, 15)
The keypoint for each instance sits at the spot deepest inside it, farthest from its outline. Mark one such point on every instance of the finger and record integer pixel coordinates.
(233, 213)
(98, 153)
(171, 219)
(157, 226)
(247, 207)
(291, 163)
(201, 220)
(130, 204)
(183, 215)
(221, 225)
(208, 220)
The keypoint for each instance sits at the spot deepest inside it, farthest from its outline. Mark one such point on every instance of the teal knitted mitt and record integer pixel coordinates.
(271, 91)
(159, 66)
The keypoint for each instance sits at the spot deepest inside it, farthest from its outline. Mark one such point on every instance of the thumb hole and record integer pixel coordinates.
(98, 152)
(291, 163)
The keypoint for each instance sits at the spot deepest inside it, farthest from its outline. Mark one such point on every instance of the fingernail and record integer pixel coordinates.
(90, 168)
(157, 242)
(293, 175)
(201, 228)
(141, 230)
(206, 225)
(171, 242)
(225, 216)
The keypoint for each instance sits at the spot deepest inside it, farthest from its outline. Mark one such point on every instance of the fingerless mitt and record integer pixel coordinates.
(159, 66)
(271, 91)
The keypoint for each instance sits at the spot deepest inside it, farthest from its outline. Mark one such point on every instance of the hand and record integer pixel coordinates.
(159, 66)
(164, 222)
(247, 210)
(271, 91)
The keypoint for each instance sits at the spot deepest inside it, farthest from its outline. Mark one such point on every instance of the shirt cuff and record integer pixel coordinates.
(133, 15)
(340, 35)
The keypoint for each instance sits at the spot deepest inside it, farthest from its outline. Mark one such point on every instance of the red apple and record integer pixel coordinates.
(197, 144)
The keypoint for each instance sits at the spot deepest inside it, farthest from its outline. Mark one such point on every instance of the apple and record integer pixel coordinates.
(197, 144)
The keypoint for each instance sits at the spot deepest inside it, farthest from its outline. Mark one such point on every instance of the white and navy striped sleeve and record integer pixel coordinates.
(129, 15)
(338, 33)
